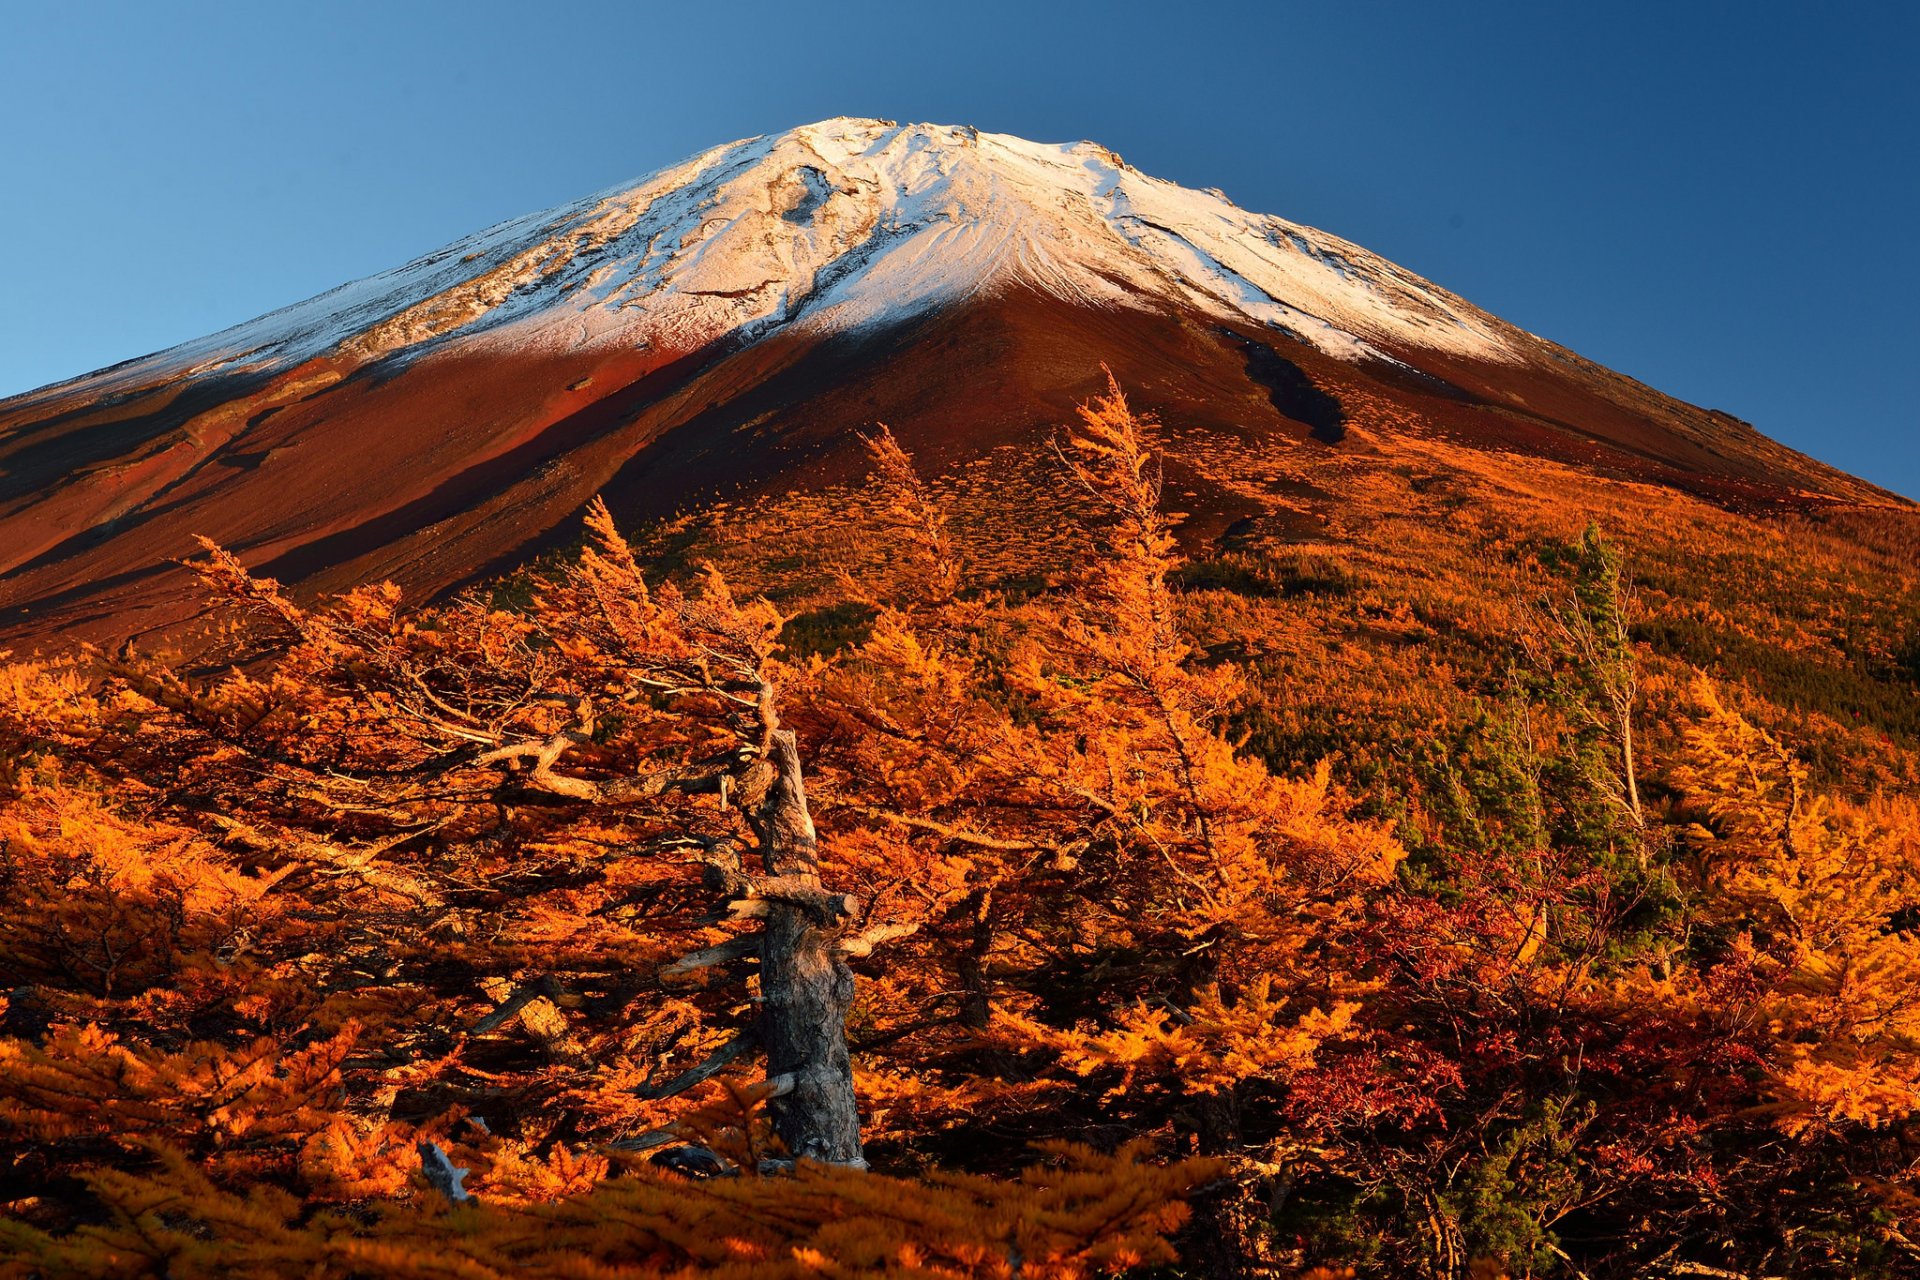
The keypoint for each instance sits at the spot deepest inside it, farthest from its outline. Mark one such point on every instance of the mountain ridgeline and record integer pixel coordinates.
(730, 324)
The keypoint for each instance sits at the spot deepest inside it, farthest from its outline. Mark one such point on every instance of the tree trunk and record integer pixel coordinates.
(976, 1002)
(1627, 763)
(805, 986)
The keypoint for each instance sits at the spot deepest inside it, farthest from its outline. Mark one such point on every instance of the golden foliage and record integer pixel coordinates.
(1823, 890)
(1079, 1215)
(1124, 802)
(1213, 1044)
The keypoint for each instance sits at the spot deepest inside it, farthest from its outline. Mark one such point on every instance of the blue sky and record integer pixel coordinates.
(1718, 199)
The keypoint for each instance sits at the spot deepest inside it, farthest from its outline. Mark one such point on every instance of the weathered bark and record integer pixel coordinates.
(716, 1062)
(442, 1174)
(806, 987)
(1231, 1217)
(539, 1015)
(976, 984)
(976, 1003)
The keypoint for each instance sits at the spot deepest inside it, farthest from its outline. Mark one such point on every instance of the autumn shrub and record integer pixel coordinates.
(1417, 901)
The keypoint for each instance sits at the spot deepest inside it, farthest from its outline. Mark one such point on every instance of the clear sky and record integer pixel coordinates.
(1716, 198)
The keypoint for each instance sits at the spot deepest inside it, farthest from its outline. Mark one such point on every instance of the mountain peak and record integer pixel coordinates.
(735, 320)
(845, 223)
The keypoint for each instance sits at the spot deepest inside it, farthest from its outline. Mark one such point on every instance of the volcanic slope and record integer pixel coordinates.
(729, 326)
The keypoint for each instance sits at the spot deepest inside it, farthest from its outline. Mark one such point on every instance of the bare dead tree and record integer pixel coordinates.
(1589, 630)
(520, 720)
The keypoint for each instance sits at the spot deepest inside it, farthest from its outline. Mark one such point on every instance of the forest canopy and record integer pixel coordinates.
(629, 923)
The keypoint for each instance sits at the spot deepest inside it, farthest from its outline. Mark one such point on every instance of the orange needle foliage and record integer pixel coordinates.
(1080, 1215)
(537, 881)
(1811, 882)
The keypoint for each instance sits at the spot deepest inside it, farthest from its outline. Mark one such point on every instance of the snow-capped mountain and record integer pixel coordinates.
(736, 317)
(844, 225)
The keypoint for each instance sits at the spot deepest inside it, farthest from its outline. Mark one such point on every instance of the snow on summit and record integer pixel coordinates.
(850, 223)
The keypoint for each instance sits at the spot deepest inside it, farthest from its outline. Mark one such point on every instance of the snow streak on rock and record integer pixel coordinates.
(846, 224)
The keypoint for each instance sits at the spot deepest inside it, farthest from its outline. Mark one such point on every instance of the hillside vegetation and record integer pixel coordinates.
(1437, 867)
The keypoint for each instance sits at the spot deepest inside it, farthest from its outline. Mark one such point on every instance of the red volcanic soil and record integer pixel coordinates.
(436, 469)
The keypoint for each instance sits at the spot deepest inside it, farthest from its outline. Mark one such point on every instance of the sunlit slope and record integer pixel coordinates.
(731, 323)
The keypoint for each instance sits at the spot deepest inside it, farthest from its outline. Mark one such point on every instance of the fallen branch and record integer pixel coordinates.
(519, 998)
(744, 947)
(542, 1019)
(1718, 1273)
(649, 1140)
(715, 1063)
(863, 942)
(317, 858)
(442, 1174)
